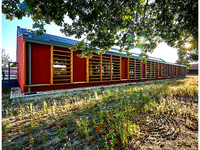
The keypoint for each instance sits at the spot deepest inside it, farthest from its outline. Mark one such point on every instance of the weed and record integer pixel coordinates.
(59, 132)
(4, 127)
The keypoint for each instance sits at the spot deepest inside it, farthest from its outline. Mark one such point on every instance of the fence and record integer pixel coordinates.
(13, 73)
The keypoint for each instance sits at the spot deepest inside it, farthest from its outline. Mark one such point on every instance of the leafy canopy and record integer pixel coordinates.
(125, 23)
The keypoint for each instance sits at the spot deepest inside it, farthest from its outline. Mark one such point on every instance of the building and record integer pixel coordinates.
(46, 63)
(193, 70)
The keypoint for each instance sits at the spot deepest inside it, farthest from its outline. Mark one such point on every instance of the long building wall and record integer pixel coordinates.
(59, 68)
(20, 59)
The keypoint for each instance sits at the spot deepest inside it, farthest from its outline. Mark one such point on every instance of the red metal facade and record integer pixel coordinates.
(40, 64)
(41, 71)
(79, 68)
(124, 68)
(20, 74)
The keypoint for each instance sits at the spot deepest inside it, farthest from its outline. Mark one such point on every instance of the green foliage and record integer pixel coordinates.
(6, 90)
(127, 24)
(4, 127)
(10, 101)
(45, 107)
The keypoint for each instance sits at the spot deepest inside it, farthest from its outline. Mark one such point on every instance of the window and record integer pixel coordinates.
(94, 68)
(148, 70)
(134, 68)
(171, 71)
(116, 68)
(152, 68)
(164, 70)
(156, 69)
(104, 68)
(62, 66)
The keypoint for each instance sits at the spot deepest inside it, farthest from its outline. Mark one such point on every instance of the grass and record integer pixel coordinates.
(6, 90)
(108, 118)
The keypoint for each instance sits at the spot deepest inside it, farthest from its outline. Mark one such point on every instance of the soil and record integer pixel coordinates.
(161, 132)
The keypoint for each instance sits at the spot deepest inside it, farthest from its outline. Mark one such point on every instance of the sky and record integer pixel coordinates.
(9, 38)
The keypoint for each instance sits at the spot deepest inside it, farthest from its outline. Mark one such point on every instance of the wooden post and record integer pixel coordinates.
(71, 65)
(87, 69)
(24, 63)
(120, 67)
(101, 67)
(127, 68)
(111, 67)
(51, 66)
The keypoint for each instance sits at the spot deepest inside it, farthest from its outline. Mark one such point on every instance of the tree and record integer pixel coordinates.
(5, 57)
(106, 23)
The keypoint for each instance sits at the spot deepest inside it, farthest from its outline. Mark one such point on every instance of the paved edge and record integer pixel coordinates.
(87, 88)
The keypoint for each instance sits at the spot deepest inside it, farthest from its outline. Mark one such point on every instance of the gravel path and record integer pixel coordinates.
(17, 93)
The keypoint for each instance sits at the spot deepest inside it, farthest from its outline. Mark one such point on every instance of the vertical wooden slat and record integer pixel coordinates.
(150, 69)
(24, 63)
(185, 71)
(167, 70)
(135, 69)
(111, 67)
(175, 70)
(51, 66)
(87, 69)
(101, 67)
(145, 70)
(155, 70)
(71, 65)
(120, 69)
(127, 68)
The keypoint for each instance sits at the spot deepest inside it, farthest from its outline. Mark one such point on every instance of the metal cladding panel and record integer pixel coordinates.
(20, 58)
(40, 64)
(123, 68)
(79, 68)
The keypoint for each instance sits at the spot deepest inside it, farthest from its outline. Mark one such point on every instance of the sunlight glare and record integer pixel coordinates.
(187, 45)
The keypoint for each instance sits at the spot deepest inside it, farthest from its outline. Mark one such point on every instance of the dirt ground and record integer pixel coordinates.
(160, 132)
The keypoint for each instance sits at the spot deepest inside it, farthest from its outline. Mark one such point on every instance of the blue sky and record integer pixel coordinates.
(9, 38)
